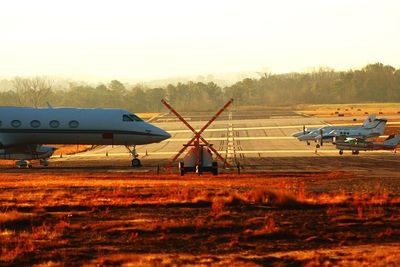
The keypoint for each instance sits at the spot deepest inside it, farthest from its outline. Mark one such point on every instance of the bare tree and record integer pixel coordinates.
(33, 90)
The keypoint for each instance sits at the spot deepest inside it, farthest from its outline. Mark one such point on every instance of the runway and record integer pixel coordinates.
(234, 135)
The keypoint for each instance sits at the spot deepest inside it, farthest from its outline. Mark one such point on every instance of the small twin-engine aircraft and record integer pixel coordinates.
(342, 134)
(372, 127)
(368, 123)
(24, 130)
(356, 144)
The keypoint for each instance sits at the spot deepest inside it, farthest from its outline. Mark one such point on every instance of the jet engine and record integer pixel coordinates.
(28, 153)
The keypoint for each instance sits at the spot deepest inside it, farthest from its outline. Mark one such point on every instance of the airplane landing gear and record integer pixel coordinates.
(355, 152)
(135, 163)
(340, 152)
(308, 143)
(23, 164)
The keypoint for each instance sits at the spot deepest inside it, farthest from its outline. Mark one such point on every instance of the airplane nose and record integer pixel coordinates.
(297, 134)
(165, 135)
(158, 134)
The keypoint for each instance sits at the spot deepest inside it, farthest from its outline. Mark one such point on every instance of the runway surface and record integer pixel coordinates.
(235, 135)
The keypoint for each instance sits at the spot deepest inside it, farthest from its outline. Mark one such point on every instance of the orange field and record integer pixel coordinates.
(84, 217)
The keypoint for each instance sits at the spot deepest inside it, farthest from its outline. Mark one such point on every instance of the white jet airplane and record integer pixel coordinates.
(24, 130)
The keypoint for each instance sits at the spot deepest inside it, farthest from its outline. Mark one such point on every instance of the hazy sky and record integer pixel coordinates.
(160, 38)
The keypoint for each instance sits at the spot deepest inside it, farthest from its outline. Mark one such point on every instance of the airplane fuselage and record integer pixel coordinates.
(312, 135)
(364, 146)
(75, 126)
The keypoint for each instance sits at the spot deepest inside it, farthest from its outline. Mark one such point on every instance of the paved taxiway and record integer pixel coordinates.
(255, 135)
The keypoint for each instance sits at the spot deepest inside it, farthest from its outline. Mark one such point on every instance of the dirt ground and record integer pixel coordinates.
(312, 211)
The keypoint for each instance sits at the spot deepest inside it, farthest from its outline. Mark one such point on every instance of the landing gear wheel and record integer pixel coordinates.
(136, 163)
(308, 143)
(215, 168)
(181, 168)
(340, 152)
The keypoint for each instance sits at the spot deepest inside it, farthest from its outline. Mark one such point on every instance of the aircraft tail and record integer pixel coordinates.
(369, 122)
(380, 126)
(392, 140)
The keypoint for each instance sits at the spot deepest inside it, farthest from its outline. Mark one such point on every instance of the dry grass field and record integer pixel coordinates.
(103, 218)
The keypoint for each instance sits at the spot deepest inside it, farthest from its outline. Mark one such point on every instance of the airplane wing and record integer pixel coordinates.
(355, 139)
(348, 140)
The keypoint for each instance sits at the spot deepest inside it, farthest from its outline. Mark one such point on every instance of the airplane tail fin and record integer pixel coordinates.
(380, 126)
(369, 122)
(392, 140)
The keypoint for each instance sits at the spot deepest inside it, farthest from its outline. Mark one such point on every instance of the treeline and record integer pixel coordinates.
(373, 83)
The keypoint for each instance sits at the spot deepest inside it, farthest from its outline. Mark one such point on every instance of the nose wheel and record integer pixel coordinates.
(135, 163)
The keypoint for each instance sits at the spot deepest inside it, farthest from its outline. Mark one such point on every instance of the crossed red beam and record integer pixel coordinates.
(197, 135)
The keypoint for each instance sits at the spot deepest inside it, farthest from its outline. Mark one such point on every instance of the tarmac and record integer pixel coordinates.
(234, 135)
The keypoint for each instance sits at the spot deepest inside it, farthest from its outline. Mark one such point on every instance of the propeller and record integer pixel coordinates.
(321, 132)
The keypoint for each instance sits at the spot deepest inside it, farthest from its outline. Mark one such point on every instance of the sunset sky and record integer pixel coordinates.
(157, 39)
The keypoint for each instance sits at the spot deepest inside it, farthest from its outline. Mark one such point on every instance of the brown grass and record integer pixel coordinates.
(88, 218)
(349, 110)
(12, 215)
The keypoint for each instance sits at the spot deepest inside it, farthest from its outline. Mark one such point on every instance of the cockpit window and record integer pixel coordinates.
(127, 118)
(136, 118)
(131, 117)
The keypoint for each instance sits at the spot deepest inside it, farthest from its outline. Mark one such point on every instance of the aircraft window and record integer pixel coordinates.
(73, 124)
(54, 124)
(135, 118)
(127, 118)
(35, 123)
(16, 123)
